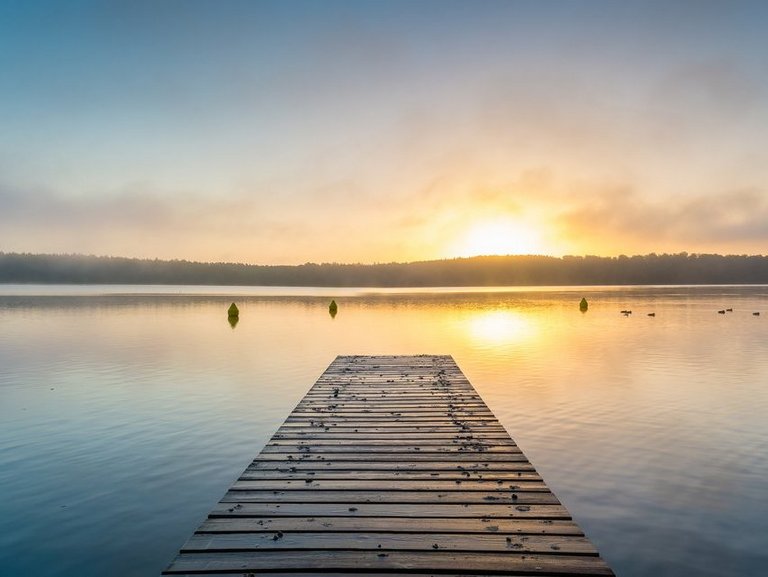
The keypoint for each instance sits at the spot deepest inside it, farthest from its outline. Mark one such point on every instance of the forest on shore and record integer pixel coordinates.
(663, 269)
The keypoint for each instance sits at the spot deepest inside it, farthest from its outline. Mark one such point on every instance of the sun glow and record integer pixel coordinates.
(499, 237)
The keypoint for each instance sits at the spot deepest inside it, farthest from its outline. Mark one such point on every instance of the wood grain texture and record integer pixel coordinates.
(390, 465)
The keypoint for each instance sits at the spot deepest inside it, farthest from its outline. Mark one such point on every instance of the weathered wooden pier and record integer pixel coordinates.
(390, 465)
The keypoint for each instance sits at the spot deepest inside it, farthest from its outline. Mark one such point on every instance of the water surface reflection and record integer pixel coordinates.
(124, 417)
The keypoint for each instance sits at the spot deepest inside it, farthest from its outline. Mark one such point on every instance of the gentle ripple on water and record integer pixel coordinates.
(124, 416)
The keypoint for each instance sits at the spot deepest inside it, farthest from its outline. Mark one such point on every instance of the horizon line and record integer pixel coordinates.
(384, 263)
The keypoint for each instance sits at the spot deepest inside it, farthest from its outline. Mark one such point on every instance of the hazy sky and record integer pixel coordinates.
(286, 132)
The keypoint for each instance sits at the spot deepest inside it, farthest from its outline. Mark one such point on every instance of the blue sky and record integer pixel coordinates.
(285, 132)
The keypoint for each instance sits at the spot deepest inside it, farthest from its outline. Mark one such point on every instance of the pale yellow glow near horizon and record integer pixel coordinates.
(499, 236)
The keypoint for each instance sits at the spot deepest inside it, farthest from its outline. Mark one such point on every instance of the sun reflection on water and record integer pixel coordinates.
(500, 327)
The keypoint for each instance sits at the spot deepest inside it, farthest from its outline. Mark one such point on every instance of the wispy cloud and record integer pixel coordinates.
(731, 220)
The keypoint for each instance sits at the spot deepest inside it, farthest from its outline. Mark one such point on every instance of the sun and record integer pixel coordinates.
(499, 236)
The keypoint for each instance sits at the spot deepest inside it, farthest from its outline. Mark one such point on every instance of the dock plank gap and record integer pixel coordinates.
(390, 465)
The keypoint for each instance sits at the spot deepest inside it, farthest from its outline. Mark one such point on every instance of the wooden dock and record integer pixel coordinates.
(390, 466)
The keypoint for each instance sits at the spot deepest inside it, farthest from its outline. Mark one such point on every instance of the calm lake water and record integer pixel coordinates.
(126, 412)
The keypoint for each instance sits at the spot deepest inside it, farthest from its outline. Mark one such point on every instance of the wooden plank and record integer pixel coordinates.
(393, 396)
(448, 426)
(342, 419)
(389, 405)
(388, 541)
(389, 466)
(446, 442)
(391, 427)
(469, 468)
(340, 394)
(425, 412)
(392, 485)
(382, 448)
(392, 573)
(377, 409)
(385, 403)
(414, 456)
(467, 525)
(389, 476)
(407, 395)
(440, 561)
(322, 439)
(344, 394)
(355, 509)
(437, 417)
(518, 496)
(312, 434)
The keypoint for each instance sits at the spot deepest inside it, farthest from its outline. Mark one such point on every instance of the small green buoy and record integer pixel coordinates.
(583, 305)
(333, 308)
(233, 311)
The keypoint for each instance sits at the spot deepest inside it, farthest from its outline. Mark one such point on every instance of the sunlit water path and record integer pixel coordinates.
(126, 412)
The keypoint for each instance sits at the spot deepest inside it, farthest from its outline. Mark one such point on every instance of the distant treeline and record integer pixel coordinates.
(680, 268)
